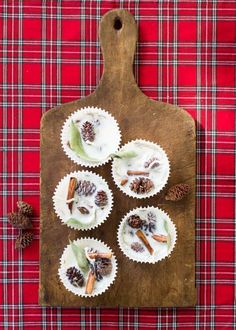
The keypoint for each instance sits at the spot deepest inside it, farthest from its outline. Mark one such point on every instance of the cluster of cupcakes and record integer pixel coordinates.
(83, 200)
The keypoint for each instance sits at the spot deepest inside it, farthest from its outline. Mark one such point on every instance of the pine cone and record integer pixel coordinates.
(137, 247)
(177, 192)
(103, 266)
(101, 198)
(135, 221)
(88, 132)
(85, 188)
(24, 240)
(18, 220)
(25, 208)
(141, 185)
(152, 163)
(75, 277)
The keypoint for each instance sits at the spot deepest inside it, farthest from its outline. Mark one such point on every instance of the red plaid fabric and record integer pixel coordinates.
(50, 54)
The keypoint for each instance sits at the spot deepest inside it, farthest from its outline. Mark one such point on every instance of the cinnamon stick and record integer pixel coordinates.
(160, 238)
(71, 192)
(95, 255)
(131, 172)
(124, 181)
(143, 238)
(90, 283)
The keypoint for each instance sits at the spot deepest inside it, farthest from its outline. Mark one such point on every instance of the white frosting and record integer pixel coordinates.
(68, 260)
(96, 214)
(164, 226)
(145, 150)
(107, 136)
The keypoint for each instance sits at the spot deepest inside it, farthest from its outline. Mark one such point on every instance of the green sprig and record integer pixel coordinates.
(124, 154)
(168, 234)
(80, 256)
(78, 224)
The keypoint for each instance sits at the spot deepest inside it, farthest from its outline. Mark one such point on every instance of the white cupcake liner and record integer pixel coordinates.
(68, 260)
(138, 257)
(65, 136)
(130, 193)
(59, 200)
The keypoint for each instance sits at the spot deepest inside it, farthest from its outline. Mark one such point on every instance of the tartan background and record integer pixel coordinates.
(186, 55)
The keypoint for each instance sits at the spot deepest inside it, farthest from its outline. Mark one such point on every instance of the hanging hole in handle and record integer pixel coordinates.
(117, 23)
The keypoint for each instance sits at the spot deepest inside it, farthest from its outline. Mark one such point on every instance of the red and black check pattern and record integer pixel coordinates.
(186, 55)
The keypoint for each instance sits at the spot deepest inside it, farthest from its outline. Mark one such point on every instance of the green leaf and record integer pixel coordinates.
(74, 222)
(168, 235)
(80, 256)
(76, 144)
(124, 154)
(79, 224)
(123, 235)
(168, 241)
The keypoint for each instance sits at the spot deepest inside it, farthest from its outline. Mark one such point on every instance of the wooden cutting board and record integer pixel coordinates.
(169, 282)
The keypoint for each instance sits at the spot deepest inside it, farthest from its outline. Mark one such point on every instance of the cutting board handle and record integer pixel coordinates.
(118, 37)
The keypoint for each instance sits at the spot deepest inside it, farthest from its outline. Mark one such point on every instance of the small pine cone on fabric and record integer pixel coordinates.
(141, 185)
(85, 188)
(19, 220)
(75, 277)
(101, 198)
(25, 208)
(88, 132)
(135, 221)
(177, 192)
(24, 240)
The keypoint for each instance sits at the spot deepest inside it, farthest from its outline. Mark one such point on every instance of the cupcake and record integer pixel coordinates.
(147, 234)
(140, 168)
(82, 200)
(90, 136)
(87, 267)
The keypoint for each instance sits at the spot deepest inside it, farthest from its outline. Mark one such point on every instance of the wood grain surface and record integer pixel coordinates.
(170, 282)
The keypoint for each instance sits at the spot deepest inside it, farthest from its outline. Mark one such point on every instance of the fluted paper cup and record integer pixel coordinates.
(107, 137)
(76, 219)
(68, 260)
(164, 227)
(140, 153)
